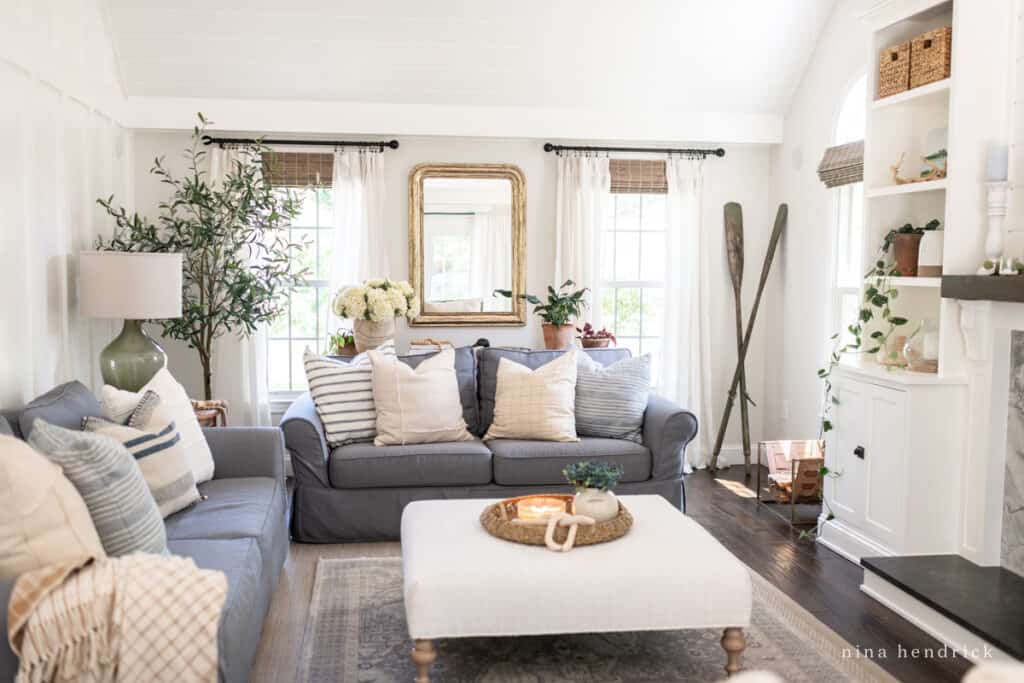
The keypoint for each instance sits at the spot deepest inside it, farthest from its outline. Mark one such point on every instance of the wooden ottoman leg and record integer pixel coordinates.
(423, 655)
(733, 642)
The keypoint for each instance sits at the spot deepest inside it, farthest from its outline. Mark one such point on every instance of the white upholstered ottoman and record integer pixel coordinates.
(667, 573)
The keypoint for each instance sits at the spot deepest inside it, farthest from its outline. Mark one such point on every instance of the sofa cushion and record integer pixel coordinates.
(64, 406)
(241, 622)
(525, 463)
(363, 465)
(488, 381)
(465, 374)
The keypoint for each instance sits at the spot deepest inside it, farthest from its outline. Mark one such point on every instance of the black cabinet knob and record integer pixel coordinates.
(859, 452)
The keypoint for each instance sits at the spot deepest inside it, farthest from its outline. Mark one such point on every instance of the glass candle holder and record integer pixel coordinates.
(922, 349)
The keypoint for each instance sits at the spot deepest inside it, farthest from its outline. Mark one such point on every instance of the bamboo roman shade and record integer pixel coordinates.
(638, 176)
(298, 169)
(842, 165)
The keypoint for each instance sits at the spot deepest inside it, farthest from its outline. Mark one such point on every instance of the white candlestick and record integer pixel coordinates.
(997, 204)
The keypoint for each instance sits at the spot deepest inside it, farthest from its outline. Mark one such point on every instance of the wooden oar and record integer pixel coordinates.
(733, 213)
(773, 243)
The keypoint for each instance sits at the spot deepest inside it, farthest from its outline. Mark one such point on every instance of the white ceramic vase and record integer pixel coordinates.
(929, 254)
(370, 334)
(597, 504)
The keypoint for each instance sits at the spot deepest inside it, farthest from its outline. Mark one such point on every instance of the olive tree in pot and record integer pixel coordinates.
(558, 314)
(238, 263)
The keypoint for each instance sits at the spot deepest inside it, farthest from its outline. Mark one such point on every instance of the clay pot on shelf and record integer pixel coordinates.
(906, 246)
(558, 336)
(596, 343)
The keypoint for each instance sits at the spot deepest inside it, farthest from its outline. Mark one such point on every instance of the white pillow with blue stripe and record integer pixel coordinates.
(162, 460)
(611, 399)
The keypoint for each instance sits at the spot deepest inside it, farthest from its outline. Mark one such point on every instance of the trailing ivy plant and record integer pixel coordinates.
(238, 264)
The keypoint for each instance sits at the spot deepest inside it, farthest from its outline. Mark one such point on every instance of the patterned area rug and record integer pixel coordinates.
(357, 632)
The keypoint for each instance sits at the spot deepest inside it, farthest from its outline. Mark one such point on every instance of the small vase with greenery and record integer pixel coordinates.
(238, 263)
(558, 313)
(342, 343)
(593, 482)
(373, 306)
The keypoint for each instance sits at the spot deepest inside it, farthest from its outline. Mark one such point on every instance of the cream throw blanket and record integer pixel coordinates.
(140, 617)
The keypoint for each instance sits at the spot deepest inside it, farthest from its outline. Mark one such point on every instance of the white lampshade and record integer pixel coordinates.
(129, 285)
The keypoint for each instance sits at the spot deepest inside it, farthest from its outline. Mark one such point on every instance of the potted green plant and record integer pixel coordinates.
(593, 482)
(595, 339)
(342, 343)
(558, 313)
(906, 241)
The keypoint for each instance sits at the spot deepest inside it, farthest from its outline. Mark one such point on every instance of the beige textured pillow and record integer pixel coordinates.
(535, 404)
(417, 405)
(45, 519)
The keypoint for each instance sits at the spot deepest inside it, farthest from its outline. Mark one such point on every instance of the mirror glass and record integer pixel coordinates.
(466, 241)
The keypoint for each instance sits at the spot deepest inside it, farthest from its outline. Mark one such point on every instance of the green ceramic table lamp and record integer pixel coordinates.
(135, 287)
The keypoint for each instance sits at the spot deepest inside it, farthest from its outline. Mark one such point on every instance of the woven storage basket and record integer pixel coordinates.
(497, 520)
(893, 70)
(931, 56)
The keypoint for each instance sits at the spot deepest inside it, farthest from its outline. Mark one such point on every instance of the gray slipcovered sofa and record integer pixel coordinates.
(240, 528)
(356, 492)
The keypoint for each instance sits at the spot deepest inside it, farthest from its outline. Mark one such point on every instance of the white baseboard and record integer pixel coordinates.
(848, 542)
(941, 628)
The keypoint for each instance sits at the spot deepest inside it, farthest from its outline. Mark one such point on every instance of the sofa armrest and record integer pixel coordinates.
(246, 452)
(306, 441)
(8, 660)
(668, 428)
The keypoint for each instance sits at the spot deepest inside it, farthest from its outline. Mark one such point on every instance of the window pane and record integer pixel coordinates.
(627, 212)
(305, 257)
(298, 371)
(326, 207)
(608, 256)
(653, 211)
(631, 343)
(848, 307)
(306, 217)
(652, 256)
(304, 313)
(627, 256)
(279, 326)
(326, 253)
(608, 307)
(654, 311)
(277, 365)
(627, 318)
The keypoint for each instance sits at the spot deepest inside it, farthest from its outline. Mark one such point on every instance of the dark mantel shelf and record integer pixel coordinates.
(987, 601)
(984, 287)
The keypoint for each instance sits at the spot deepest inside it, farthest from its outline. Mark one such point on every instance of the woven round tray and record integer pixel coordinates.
(498, 518)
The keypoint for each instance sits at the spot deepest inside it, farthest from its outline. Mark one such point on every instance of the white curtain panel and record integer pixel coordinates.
(584, 184)
(360, 250)
(491, 258)
(686, 364)
(240, 362)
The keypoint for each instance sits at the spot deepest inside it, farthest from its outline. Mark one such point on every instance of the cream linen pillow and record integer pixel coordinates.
(418, 405)
(535, 404)
(45, 520)
(174, 406)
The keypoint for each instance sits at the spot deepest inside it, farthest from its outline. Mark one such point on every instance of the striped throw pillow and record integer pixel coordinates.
(343, 395)
(162, 460)
(611, 399)
(109, 481)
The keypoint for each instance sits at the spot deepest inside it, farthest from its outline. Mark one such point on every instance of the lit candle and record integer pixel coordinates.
(998, 163)
(539, 508)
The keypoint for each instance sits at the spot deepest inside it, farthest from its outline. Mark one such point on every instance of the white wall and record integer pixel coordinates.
(798, 314)
(744, 175)
(60, 103)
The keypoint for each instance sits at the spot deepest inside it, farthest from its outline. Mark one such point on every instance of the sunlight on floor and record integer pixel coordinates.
(736, 488)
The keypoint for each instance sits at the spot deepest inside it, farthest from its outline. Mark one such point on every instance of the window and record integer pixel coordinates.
(633, 271)
(849, 218)
(305, 322)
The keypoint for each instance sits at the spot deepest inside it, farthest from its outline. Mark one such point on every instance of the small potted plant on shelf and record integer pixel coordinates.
(342, 343)
(557, 314)
(595, 339)
(593, 482)
(372, 307)
(906, 243)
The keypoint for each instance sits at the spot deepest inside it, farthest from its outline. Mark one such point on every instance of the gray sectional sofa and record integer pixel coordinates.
(240, 528)
(356, 492)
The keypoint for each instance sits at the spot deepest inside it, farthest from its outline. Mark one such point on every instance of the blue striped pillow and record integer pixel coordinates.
(611, 400)
(110, 483)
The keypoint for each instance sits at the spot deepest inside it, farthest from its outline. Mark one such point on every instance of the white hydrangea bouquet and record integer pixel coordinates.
(373, 307)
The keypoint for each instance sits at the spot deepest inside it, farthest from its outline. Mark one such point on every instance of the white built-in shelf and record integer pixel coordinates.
(935, 282)
(909, 188)
(921, 95)
(866, 368)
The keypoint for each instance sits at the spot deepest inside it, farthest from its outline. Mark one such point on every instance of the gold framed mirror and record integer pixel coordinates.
(467, 238)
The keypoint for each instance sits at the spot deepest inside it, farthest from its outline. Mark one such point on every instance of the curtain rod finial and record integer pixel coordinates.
(548, 147)
(719, 152)
(393, 144)
(207, 140)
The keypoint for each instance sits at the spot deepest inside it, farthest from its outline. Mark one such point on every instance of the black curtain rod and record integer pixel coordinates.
(391, 144)
(702, 153)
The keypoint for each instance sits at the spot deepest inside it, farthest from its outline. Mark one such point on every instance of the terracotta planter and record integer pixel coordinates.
(370, 334)
(595, 343)
(558, 336)
(906, 247)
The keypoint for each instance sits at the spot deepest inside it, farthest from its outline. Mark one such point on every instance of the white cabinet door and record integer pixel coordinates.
(886, 466)
(849, 438)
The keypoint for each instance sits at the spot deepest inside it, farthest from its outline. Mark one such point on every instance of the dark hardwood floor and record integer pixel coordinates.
(824, 583)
